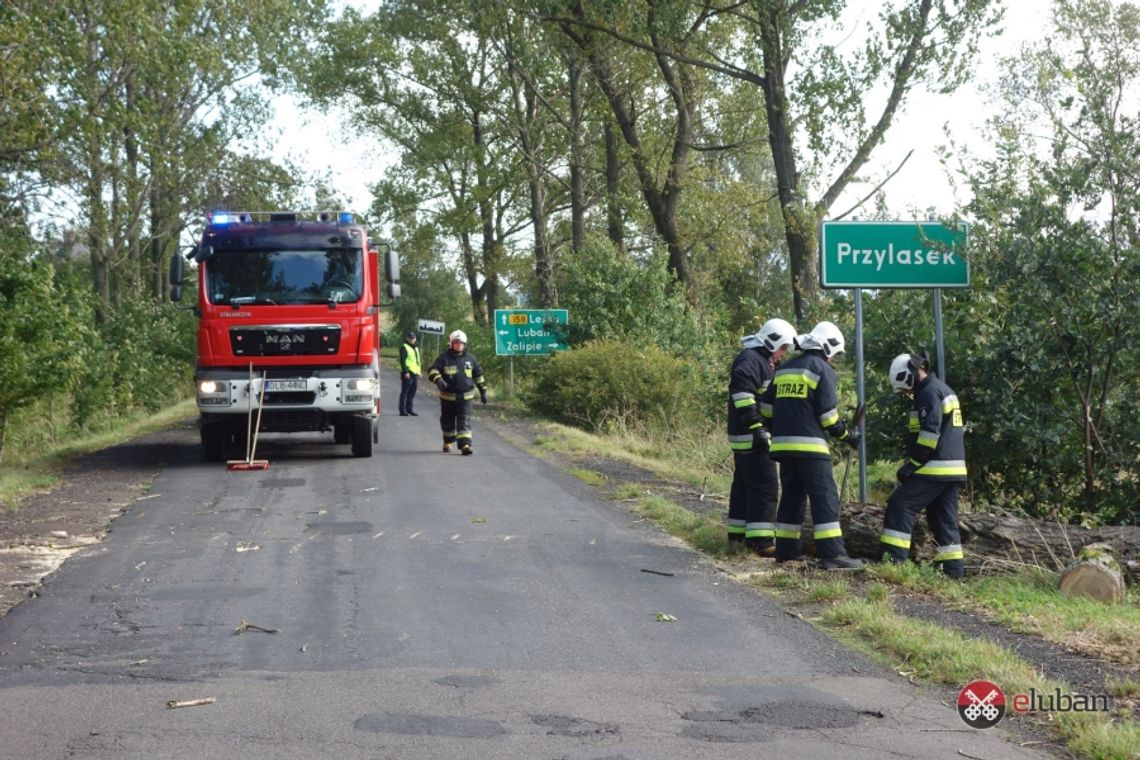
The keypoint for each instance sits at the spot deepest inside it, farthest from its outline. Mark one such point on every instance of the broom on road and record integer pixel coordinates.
(249, 463)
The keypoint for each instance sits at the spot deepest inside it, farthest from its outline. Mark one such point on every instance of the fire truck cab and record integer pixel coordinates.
(288, 327)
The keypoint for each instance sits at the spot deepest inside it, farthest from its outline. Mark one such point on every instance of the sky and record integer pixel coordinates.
(310, 138)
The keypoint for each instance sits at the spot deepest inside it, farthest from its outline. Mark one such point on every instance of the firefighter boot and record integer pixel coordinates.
(761, 547)
(446, 447)
(465, 448)
(841, 562)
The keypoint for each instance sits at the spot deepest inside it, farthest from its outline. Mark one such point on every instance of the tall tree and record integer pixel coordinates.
(1060, 251)
(149, 92)
(814, 96)
(662, 189)
(424, 75)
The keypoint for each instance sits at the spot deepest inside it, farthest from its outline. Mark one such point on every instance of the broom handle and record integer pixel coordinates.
(260, 406)
(249, 417)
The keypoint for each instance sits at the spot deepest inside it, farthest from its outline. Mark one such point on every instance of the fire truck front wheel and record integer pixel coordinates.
(215, 437)
(361, 436)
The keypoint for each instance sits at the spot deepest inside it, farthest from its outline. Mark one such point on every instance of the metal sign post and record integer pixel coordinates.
(898, 254)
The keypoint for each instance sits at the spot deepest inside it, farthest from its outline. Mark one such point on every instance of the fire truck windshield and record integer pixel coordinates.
(279, 277)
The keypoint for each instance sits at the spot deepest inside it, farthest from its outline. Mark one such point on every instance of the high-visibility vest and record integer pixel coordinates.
(411, 358)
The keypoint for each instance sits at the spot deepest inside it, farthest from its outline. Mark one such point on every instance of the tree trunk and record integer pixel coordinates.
(615, 225)
(471, 269)
(799, 219)
(1095, 575)
(577, 178)
(661, 201)
(989, 538)
(543, 253)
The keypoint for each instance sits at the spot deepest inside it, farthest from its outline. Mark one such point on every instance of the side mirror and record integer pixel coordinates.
(176, 276)
(203, 253)
(391, 267)
(393, 290)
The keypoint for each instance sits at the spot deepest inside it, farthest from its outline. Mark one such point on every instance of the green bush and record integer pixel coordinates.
(613, 386)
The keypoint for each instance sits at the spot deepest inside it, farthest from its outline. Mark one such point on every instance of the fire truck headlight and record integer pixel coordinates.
(365, 384)
(210, 386)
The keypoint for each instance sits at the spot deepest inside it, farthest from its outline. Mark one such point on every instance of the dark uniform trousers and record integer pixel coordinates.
(408, 392)
(455, 420)
(940, 499)
(808, 478)
(752, 500)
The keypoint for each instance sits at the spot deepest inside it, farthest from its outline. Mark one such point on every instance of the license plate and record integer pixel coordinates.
(286, 385)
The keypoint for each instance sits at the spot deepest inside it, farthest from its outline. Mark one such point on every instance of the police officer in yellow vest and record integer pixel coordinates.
(409, 374)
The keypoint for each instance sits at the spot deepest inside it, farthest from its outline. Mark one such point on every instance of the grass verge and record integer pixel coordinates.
(22, 475)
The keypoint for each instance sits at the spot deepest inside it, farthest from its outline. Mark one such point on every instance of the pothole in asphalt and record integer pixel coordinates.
(429, 725)
(747, 714)
(562, 725)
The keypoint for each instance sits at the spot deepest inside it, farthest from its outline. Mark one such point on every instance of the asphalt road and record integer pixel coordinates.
(429, 606)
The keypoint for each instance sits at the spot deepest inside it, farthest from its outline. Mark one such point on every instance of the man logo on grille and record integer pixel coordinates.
(981, 704)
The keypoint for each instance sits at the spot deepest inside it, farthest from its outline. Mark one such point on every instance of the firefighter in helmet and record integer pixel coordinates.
(755, 484)
(802, 403)
(935, 468)
(457, 374)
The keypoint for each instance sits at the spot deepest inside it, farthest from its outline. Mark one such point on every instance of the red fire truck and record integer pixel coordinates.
(288, 327)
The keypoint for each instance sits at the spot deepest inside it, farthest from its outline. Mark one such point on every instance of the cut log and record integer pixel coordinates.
(987, 538)
(1095, 575)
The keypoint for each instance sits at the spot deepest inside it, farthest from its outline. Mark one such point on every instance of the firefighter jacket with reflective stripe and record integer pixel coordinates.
(461, 374)
(936, 432)
(748, 379)
(801, 404)
(410, 358)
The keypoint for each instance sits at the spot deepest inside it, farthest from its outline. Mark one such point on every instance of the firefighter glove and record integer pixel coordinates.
(759, 441)
(441, 383)
(853, 439)
(483, 395)
(904, 472)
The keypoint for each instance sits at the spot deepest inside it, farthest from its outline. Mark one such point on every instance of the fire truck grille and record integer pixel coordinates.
(285, 340)
(292, 398)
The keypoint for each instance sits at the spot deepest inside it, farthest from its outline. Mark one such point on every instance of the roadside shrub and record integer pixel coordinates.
(613, 386)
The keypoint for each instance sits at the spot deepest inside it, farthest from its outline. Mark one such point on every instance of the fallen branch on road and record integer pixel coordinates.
(174, 703)
(243, 626)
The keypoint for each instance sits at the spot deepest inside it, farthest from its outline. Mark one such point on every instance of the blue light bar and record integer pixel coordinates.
(344, 217)
(219, 217)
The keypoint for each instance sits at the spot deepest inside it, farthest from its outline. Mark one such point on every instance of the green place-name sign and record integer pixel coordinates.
(893, 255)
(530, 332)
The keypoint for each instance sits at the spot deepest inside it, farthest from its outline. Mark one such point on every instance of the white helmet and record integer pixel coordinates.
(457, 335)
(775, 334)
(823, 337)
(902, 373)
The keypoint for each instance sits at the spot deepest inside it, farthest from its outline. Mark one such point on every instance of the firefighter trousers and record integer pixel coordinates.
(752, 499)
(455, 421)
(940, 500)
(806, 479)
